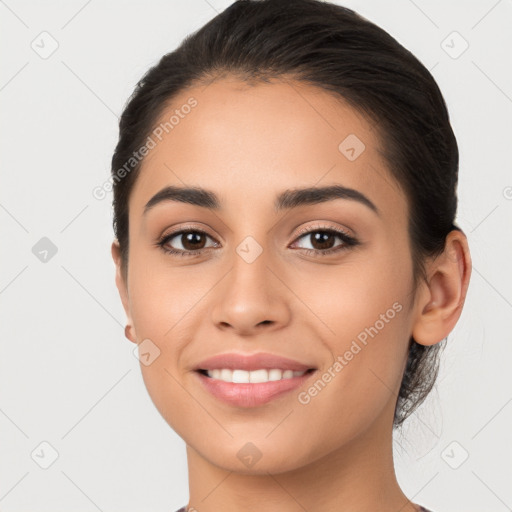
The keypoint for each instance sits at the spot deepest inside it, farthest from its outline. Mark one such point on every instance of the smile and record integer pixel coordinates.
(254, 388)
(256, 376)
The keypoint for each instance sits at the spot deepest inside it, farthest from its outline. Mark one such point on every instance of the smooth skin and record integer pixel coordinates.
(248, 143)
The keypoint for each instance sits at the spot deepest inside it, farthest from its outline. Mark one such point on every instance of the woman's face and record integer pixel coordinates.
(270, 280)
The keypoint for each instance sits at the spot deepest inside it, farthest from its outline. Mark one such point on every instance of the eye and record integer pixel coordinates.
(192, 242)
(322, 239)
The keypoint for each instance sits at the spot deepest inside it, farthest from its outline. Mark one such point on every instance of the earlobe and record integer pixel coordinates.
(129, 330)
(442, 299)
(129, 334)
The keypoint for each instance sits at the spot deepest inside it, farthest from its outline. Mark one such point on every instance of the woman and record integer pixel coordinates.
(287, 254)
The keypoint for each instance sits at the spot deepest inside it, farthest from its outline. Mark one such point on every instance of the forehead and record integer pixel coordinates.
(251, 141)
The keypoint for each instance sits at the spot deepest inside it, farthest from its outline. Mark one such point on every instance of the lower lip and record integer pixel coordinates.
(251, 395)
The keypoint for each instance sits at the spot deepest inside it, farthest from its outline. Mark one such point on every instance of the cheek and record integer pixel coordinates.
(365, 321)
(168, 307)
(162, 297)
(369, 351)
(369, 289)
(163, 311)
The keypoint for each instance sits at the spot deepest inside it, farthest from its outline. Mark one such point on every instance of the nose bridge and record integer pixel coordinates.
(250, 276)
(250, 250)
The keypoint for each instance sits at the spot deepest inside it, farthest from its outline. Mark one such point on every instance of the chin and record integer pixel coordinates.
(248, 459)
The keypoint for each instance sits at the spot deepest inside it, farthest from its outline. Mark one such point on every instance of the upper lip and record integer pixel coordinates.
(248, 362)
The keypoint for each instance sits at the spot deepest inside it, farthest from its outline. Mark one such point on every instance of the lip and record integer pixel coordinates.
(248, 362)
(251, 395)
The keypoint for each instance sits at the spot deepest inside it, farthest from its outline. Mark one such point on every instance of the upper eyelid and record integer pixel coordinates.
(186, 229)
(312, 229)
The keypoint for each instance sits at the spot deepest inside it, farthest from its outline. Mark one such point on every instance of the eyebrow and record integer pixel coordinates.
(291, 198)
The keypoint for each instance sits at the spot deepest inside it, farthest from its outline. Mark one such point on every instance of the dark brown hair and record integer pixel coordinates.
(336, 49)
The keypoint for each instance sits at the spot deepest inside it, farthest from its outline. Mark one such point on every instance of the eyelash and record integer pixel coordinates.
(348, 241)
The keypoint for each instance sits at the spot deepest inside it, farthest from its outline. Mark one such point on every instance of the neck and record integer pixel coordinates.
(358, 477)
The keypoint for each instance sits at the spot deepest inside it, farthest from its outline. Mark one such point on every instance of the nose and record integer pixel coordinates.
(252, 298)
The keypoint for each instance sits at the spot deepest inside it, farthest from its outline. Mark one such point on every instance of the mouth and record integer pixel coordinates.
(251, 379)
(249, 389)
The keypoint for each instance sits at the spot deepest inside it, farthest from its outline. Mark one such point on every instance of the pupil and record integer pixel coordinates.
(324, 239)
(191, 238)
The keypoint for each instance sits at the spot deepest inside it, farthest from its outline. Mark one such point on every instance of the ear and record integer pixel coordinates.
(440, 301)
(123, 291)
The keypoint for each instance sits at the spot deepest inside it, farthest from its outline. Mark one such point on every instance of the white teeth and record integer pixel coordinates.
(255, 376)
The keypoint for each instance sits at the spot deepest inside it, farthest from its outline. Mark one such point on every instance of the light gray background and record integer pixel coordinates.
(68, 377)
